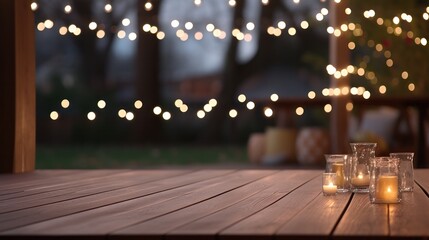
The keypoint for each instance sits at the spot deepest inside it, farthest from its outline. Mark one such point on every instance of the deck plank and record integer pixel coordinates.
(410, 217)
(265, 223)
(58, 185)
(200, 204)
(421, 176)
(363, 219)
(156, 228)
(109, 218)
(83, 188)
(42, 213)
(322, 215)
(208, 227)
(46, 179)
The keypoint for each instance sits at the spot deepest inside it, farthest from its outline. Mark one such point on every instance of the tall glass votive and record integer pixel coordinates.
(339, 164)
(359, 175)
(384, 180)
(406, 170)
(329, 186)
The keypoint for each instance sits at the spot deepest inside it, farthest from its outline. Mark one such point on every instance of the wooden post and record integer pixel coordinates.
(339, 57)
(17, 87)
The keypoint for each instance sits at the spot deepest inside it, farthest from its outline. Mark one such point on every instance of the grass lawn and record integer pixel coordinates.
(138, 157)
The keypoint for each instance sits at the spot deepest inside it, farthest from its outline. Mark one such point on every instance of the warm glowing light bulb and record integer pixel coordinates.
(92, 25)
(34, 6)
(138, 104)
(241, 98)
(327, 108)
(166, 116)
(213, 102)
(101, 104)
(91, 116)
(250, 105)
(178, 103)
(268, 112)
(201, 114)
(65, 103)
(54, 115)
(274, 97)
(157, 110)
(108, 8)
(122, 113)
(233, 113)
(129, 116)
(148, 6)
(126, 22)
(67, 9)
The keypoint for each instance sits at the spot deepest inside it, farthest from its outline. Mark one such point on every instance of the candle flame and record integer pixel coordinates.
(360, 176)
(331, 184)
(388, 189)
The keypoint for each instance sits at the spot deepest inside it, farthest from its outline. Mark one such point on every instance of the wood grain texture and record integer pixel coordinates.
(421, 176)
(42, 213)
(363, 219)
(200, 204)
(322, 214)
(410, 217)
(265, 223)
(165, 224)
(207, 227)
(17, 88)
(81, 188)
(108, 218)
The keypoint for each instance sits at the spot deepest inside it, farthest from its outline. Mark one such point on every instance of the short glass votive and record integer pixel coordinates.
(329, 186)
(339, 164)
(406, 170)
(384, 180)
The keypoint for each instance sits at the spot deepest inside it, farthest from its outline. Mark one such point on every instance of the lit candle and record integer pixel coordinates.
(361, 180)
(387, 189)
(338, 168)
(330, 188)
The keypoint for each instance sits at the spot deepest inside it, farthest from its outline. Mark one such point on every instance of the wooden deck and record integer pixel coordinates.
(199, 204)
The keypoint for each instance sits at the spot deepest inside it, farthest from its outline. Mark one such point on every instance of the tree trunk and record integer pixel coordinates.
(230, 83)
(148, 82)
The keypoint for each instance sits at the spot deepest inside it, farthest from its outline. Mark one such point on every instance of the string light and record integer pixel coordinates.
(91, 116)
(138, 104)
(356, 29)
(65, 103)
(157, 110)
(233, 113)
(67, 9)
(166, 116)
(299, 111)
(34, 6)
(268, 112)
(54, 115)
(129, 116)
(148, 6)
(241, 98)
(122, 113)
(108, 8)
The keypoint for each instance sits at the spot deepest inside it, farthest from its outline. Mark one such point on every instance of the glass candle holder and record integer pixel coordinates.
(384, 180)
(359, 175)
(329, 186)
(339, 164)
(406, 170)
